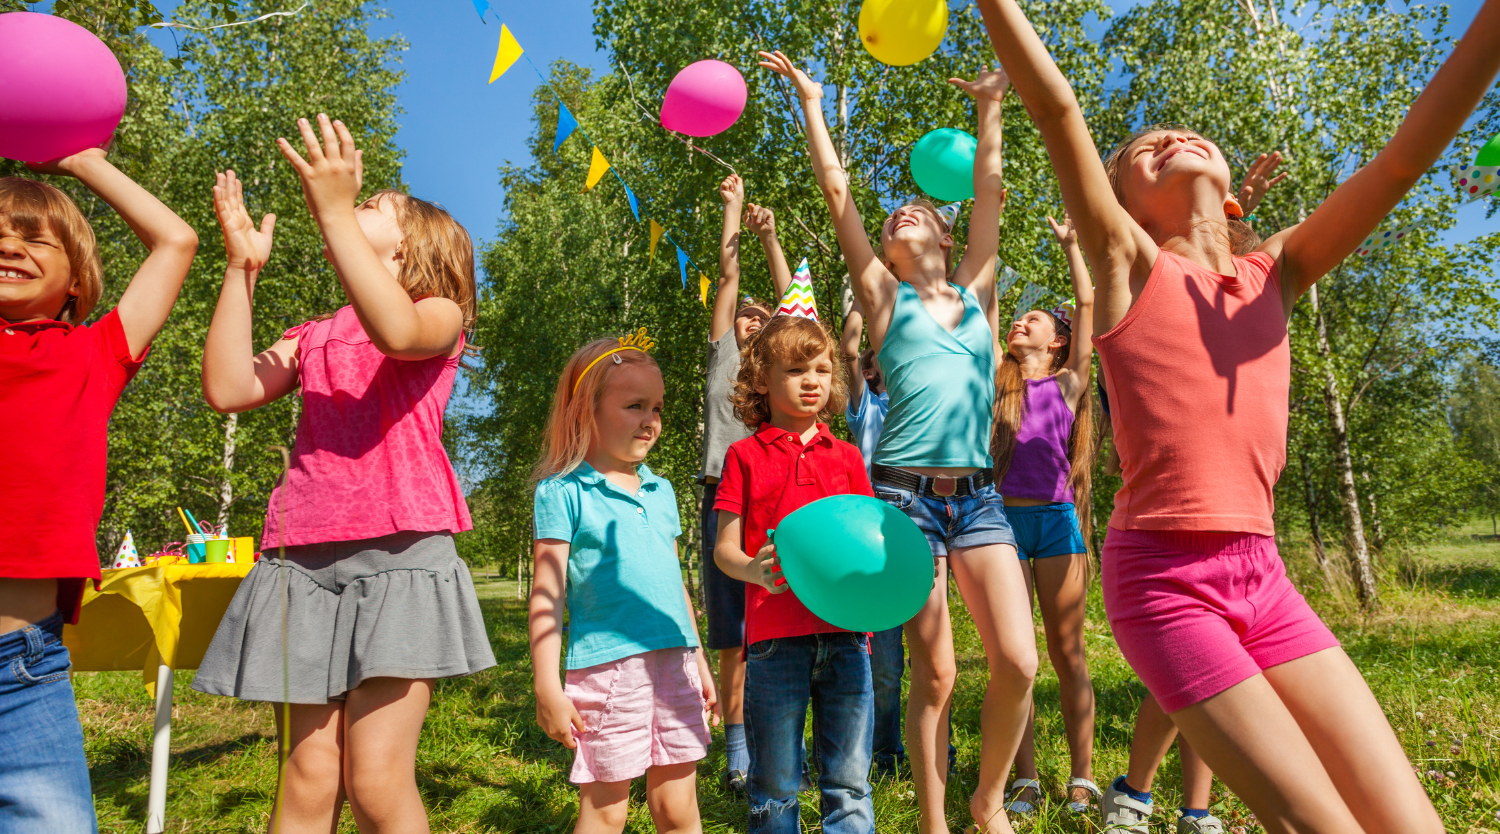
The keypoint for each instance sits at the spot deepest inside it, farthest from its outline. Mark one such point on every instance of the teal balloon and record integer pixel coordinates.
(855, 561)
(942, 163)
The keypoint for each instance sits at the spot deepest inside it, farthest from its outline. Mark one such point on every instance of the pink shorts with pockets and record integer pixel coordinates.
(639, 712)
(1195, 613)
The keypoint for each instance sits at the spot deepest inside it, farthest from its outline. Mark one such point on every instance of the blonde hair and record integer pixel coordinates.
(1242, 238)
(785, 339)
(570, 425)
(437, 255)
(30, 206)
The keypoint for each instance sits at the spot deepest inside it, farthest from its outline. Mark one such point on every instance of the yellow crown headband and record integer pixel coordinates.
(635, 341)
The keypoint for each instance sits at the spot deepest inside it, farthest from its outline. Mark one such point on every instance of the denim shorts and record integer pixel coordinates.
(1046, 530)
(973, 520)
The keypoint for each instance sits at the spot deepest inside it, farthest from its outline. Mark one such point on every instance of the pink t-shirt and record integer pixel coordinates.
(1198, 374)
(369, 458)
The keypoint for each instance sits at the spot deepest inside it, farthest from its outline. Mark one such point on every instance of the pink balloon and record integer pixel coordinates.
(707, 97)
(61, 89)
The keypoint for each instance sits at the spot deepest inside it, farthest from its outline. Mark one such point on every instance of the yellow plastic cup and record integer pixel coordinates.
(244, 549)
(216, 550)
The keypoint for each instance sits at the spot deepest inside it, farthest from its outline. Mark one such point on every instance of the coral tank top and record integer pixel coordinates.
(1039, 466)
(1199, 372)
(369, 458)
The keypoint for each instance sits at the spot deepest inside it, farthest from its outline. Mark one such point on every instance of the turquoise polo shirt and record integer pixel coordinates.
(624, 582)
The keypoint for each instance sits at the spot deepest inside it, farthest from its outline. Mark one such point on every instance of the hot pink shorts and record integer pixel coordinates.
(639, 712)
(1196, 613)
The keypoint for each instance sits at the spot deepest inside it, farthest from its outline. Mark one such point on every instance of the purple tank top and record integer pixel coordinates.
(1039, 468)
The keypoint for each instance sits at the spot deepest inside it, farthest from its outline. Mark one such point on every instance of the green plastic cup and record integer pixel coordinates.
(216, 550)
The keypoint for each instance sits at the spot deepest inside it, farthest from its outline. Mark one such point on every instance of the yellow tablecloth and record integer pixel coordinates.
(142, 617)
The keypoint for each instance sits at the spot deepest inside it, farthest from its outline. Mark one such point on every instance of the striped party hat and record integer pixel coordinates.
(799, 300)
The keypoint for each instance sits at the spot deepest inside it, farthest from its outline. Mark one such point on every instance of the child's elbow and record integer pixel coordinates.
(183, 240)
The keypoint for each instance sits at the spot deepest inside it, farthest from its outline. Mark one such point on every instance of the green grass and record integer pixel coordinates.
(1432, 656)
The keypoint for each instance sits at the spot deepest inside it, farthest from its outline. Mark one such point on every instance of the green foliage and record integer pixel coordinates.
(1474, 410)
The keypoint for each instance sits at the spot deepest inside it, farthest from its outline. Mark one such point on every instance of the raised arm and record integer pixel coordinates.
(1075, 374)
(732, 192)
(977, 269)
(170, 241)
(331, 179)
(854, 325)
(1118, 249)
(554, 712)
(1310, 249)
(763, 223)
(873, 283)
(235, 378)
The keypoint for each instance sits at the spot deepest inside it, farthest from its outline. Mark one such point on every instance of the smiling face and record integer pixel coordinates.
(798, 388)
(911, 231)
(748, 322)
(1033, 332)
(1161, 171)
(627, 417)
(36, 277)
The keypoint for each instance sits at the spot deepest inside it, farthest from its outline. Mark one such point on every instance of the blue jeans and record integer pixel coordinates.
(832, 672)
(887, 665)
(44, 777)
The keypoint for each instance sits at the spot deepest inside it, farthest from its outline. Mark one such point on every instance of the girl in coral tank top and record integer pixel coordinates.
(1193, 342)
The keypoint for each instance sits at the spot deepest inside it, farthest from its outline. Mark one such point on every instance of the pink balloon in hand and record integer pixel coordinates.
(707, 97)
(61, 89)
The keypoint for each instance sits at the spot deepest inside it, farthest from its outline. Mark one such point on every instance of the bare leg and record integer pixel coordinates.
(1026, 753)
(1197, 777)
(993, 587)
(1153, 736)
(672, 796)
(732, 685)
(311, 793)
(602, 807)
(929, 639)
(382, 723)
(1062, 588)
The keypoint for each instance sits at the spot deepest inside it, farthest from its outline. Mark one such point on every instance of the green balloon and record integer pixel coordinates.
(942, 163)
(855, 561)
(1490, 153)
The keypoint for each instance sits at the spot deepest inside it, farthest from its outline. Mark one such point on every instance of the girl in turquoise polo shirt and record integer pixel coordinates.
(639, 695)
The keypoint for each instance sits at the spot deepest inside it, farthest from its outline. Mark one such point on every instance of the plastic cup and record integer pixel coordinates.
(244, 549)
(216, 550)
(195, 548)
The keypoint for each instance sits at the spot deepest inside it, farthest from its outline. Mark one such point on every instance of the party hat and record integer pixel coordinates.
(1029, 296)
(949, 214)
(799, 300)
(1064, 312)
(126, 557)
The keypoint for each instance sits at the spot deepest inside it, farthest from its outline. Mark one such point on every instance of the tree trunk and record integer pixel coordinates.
(226, 488)
(1314, 524)
(1357, 551)
(520, 562)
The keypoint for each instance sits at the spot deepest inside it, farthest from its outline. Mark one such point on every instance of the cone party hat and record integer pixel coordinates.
(798, 300)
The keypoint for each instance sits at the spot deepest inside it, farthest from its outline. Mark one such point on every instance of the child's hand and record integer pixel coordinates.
(732, 191)
(988, 85)
(559, 718)
(1067, 233)
(710, 696)
(807, 89)
(1258, 180)
(761, 220)
(67, 166)
(246, 248)
(333, 172)
(765, 570)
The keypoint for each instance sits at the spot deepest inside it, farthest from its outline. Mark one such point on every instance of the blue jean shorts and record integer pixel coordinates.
(974, 520)
(1046, 530)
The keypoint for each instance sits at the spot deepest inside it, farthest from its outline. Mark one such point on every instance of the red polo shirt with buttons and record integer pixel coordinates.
(58, 386)
(767, 476)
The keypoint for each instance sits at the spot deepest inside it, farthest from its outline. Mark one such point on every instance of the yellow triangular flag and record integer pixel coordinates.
(703, 289)
(506, 55)
(597, 168)
(656, 232)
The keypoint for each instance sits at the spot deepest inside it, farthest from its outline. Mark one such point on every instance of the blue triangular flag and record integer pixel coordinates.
(481, 6)
(682, 265)
(566, 124)
(635, 205)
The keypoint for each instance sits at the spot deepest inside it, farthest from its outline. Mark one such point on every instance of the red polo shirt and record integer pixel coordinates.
(58, 387)
(767, 476)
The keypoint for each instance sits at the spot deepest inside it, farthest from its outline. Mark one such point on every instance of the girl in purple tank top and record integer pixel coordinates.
(1043, 450)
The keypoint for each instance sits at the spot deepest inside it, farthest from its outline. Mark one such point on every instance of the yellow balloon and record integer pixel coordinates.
(902, 32)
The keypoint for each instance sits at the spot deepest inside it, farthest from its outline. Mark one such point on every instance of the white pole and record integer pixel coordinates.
(161, 751)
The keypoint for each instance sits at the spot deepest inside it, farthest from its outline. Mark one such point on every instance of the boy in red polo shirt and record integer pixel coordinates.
(788, 379)
(59, 380)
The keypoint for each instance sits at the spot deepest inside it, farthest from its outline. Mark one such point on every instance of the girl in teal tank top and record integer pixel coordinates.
(930, 323)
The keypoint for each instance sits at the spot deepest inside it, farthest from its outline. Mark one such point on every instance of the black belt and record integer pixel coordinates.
(933, 486)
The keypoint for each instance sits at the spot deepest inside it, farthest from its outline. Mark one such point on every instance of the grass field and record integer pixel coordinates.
(1432, 657)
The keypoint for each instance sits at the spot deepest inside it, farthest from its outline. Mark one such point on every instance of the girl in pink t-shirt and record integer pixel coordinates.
(1193, 342)
(361, 601)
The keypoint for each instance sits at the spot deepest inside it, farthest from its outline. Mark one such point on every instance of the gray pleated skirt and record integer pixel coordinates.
(398, 606)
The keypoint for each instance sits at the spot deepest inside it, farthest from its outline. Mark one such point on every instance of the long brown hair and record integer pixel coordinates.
(30, 206)
(1010, 410)
(788, 339)
(437, 254)
(570, 425)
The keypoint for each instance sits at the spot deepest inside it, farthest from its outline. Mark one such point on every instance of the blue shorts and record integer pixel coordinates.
(1046, 530)
(974, 520)
(722, 596)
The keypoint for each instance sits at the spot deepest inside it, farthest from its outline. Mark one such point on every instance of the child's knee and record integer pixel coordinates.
(933, 679)
(1016, 663)
(313, 773)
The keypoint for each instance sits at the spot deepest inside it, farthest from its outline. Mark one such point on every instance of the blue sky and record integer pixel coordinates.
(458, 130)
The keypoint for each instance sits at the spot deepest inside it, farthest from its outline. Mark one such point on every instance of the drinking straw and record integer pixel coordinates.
(195, 528)
(185, 521)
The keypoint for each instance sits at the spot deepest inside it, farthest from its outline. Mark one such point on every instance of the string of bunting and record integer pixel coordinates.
(506, 54)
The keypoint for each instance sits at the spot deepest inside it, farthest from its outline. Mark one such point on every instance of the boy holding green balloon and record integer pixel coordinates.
(788, 385)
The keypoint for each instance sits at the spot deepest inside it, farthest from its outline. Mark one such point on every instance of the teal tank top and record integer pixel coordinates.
(941, 386)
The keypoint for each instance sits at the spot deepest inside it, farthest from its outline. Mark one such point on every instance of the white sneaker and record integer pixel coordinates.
(1124, 814)
(1200, 825)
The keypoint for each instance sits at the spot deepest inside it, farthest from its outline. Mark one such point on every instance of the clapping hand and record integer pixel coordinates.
(245, 247)
(333, 172)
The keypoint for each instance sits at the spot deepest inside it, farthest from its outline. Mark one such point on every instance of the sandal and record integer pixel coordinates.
(1075, 807)
(1013, 802)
